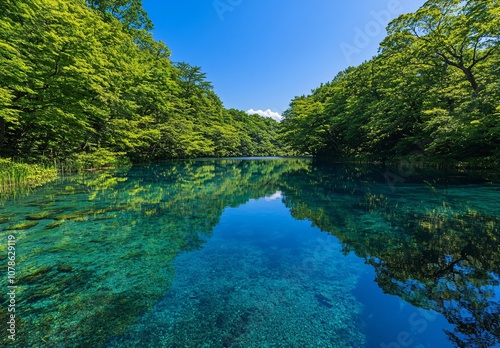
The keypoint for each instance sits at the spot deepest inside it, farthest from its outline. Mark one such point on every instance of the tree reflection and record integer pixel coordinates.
(428, 246)
(100, 248)
(114, 236)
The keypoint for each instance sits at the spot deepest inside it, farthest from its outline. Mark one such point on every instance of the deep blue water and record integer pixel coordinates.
(257, 253)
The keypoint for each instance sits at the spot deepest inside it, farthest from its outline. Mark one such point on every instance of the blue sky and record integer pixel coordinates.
(260, 54)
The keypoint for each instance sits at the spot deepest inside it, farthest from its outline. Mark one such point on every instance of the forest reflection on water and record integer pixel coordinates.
(97, 252)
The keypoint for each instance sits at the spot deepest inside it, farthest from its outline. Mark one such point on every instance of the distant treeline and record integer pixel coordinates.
(85, 79)
(433, 90)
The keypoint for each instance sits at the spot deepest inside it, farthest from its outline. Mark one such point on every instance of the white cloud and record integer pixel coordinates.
(268, 113)
(274, 196)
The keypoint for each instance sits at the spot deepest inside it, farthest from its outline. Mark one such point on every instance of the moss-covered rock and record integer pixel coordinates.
(34, 276)
(54, 224)
(21, 226)
(64, 268)
(5, 217)
(39, 216)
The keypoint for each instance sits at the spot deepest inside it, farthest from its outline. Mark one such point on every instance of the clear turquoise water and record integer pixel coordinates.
(257, 253)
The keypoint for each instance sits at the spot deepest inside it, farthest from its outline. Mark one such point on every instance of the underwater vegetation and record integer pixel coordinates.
(21, 226)
(91, 262)
(103, 254)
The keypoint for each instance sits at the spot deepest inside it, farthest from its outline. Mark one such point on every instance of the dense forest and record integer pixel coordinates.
(85, 82)
(433, 90)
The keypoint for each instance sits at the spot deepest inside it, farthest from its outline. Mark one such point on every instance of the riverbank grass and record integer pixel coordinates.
(15, 175)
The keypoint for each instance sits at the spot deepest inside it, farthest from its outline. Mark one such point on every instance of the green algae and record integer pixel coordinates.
(107, 274)
(59, 210)
(39, 216)
(40, 205)
(21, 226)
(93, 329)
(82, 215)
(20, 327)
(34, 276)
(5, 217)
(64, 268)
(54, 224)
(105, 217)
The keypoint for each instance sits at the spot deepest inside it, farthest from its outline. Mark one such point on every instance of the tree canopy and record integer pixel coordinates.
(432, 89)
(86, 77)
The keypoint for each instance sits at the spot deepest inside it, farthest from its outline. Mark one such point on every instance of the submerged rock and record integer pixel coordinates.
(5, 217)
(323, 300)
(35, 276)
(54, 224)
(21, 226)
(64, 268)
(39, 216)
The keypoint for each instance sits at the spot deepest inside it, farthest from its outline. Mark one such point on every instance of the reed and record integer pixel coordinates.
(17, 176)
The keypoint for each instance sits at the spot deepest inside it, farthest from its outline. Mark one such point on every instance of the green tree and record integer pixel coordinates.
(129, 12)
(79, 79)
(432, 89)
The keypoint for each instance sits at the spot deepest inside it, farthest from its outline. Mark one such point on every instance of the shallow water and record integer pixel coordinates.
(256, 253)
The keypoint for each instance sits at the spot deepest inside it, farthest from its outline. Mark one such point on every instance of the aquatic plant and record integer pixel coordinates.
(54, 224)
(18, 177)
(39, 216)
(21, 226)
(101, 274)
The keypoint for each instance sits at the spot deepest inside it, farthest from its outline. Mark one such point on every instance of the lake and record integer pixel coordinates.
(251, 252)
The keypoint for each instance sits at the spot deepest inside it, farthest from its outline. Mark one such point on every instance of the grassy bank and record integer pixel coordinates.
(17, 178)
(22, 177)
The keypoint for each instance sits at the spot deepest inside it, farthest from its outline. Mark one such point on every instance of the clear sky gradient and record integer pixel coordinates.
(260, 54)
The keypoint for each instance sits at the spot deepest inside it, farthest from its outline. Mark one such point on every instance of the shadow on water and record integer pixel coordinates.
(96, 252)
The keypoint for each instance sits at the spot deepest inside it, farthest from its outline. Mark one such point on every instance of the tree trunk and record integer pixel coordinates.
(2, 131)
(467, 71)
(472, 80)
